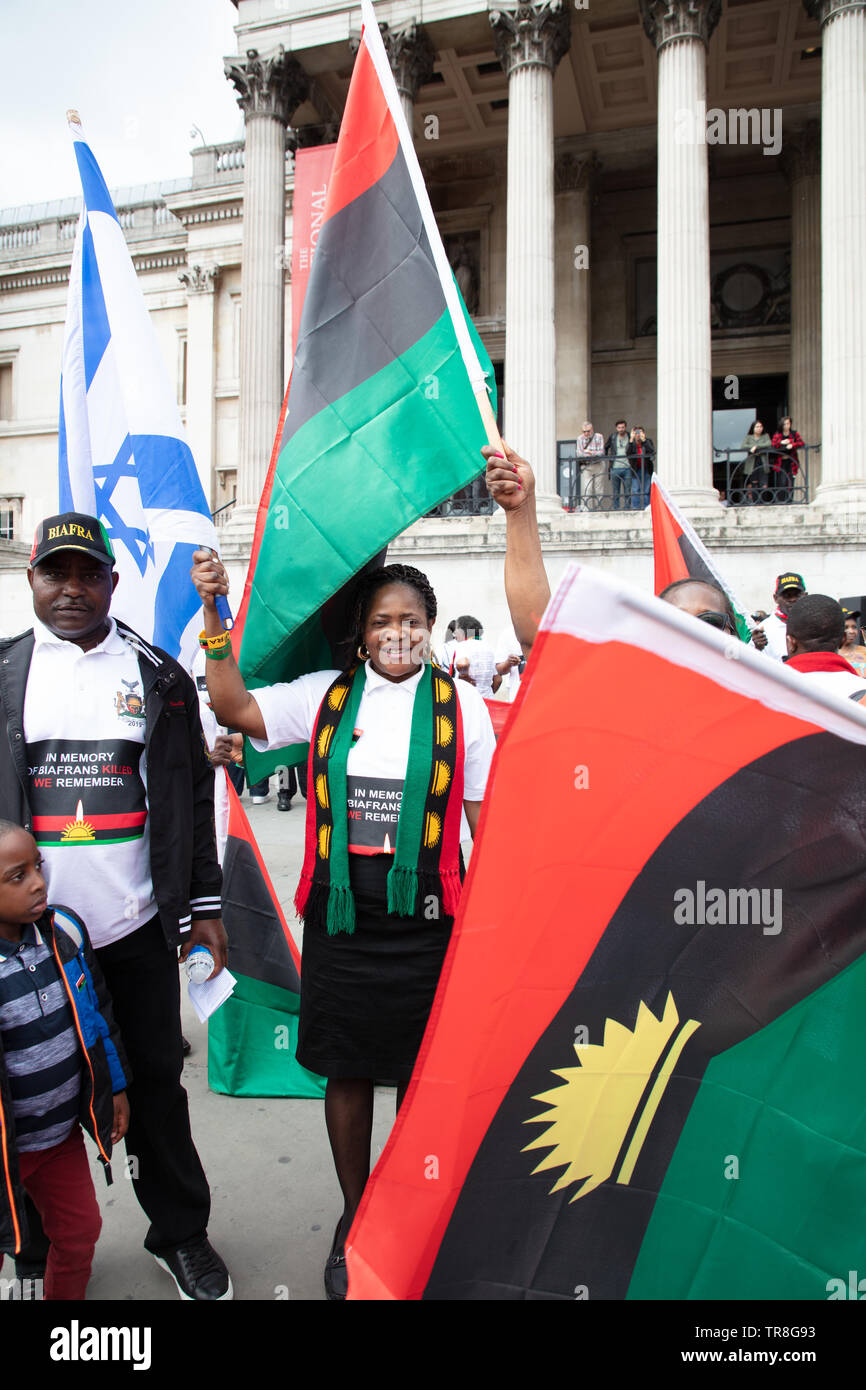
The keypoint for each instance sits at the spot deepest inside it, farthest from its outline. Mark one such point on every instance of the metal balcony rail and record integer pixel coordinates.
(222, 514)
(472, 500)
(771, 477)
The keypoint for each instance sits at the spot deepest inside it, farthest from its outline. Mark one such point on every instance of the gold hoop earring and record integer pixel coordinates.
(363, 654)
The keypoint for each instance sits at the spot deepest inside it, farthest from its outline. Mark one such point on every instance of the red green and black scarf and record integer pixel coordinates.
(427, 854)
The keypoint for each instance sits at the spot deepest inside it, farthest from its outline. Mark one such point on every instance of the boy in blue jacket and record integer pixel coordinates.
(61, 1066)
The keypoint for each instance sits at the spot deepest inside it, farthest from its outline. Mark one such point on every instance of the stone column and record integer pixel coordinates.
(573, 177)
(271, 89)
(680, 30)
(201, 282)
(411, 55)
(802, 166)
(530, 39)
(843, 247)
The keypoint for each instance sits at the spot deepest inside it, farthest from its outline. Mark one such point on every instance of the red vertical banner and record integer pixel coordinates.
(312, 176)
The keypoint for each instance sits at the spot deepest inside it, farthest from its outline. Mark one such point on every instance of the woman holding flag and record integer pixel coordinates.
(399, 757)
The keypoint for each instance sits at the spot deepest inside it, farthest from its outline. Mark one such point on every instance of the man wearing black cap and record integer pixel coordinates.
(770, 636)
(104, 761)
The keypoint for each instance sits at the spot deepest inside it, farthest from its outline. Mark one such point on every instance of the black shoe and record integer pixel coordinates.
(198, 1272)
(284, 801)
(336, 1275)
(30, 1275)
(186, 1044)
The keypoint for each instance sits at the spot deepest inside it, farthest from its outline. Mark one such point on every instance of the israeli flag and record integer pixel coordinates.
(122, 456)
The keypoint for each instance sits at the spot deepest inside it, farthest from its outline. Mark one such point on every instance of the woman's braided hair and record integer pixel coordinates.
(369, 585)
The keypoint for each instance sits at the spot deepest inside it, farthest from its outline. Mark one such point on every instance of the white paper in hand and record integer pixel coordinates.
(206, 998)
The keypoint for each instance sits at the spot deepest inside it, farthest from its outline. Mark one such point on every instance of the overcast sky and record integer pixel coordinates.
(141, 73)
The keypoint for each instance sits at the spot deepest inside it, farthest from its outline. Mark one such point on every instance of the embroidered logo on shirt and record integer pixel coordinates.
(129, 705)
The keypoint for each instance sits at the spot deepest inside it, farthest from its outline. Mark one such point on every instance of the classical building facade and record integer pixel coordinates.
(656, 210)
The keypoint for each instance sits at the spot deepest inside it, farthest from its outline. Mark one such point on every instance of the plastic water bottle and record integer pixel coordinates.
(199, 964)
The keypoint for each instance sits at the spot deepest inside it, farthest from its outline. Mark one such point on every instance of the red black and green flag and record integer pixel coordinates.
(679, 552)
(252, 1036)
(642, 1077)
(382, 418)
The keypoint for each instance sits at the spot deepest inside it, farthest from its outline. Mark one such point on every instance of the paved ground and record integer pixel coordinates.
(275, 1196)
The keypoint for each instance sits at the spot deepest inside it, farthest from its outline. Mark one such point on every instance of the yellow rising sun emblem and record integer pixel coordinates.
(444, 730)
(441, 778)
(323, 742)
(322, 790)
(78, 831)
(432, 829)
(615, 1083)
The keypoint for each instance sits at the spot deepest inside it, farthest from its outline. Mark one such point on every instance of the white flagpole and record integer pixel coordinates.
(477, 377)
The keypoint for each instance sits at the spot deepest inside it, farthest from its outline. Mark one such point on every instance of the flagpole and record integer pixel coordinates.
(477, 377)
(488, 419)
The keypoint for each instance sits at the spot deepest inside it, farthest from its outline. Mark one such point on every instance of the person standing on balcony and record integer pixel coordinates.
(616, 448)
(593, 468)
(642, 456)
(756, 444)
(784, 460)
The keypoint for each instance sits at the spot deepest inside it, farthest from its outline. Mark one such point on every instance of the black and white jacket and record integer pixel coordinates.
(187, 879)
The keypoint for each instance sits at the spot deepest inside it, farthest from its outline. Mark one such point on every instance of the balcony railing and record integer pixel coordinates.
(773, 477)
(741, 482)
(472, 500)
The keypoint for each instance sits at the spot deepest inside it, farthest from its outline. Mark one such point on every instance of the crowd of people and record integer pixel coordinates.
(613, 473)
(97, 903)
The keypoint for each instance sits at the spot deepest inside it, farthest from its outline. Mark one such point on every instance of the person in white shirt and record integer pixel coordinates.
(467, 656)
(816, 628)
(104, 763)
(770, 636)
(398, 764)
(593, 468)
(510, 662)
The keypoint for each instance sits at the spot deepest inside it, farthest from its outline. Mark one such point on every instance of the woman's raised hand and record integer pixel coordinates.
(510, 480)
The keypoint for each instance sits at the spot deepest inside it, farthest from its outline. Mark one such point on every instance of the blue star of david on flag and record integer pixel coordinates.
(122, 454)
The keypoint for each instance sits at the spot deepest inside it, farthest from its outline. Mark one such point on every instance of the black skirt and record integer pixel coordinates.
(366, 997)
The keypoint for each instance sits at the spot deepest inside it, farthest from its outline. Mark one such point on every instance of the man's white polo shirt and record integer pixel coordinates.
(84, 730)
(378, 759)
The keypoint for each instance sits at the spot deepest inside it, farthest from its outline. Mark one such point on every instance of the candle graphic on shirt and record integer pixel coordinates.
(386, 848)
(78, 831)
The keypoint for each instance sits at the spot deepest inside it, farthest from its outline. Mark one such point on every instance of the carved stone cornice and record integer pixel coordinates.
(824, 10)
(572, 172)
(801, 154)
(274, 86)
(199, 279)
(535, 34)
(666, 20)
